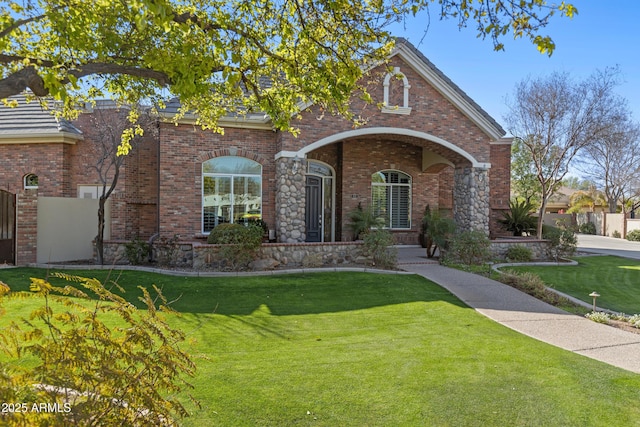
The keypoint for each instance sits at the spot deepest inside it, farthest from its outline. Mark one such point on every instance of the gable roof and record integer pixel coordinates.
(28, 122)
(427, 70)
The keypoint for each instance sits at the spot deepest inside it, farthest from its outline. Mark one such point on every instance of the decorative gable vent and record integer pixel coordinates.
(396, 75)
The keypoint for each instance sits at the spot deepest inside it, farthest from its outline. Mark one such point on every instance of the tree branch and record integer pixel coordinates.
(28, 77)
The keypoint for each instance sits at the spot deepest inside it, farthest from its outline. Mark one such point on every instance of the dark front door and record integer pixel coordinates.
(313, 215)
(7, 227)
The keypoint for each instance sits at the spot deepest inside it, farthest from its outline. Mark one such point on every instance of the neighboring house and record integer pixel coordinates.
(429, 143)
(561, 201)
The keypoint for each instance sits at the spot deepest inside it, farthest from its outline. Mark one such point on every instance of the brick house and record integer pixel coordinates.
(426, 142)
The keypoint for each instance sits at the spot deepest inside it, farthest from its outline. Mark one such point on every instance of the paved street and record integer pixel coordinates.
(608, 246)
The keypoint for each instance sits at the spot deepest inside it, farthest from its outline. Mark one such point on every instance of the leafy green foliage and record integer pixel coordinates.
(95, 357)
(220, 56)
(435, 230)
(587, 228)
(519, 253)
(240, 244)
(519, 219)
(633, 236)
(378, 244)
(562, 240)
(363, 220)
(469, 248)
(137, 251)
(524, 181)
(599, 317)
(586, 199)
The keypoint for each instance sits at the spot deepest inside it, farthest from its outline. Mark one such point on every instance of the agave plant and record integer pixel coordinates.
(519, 219)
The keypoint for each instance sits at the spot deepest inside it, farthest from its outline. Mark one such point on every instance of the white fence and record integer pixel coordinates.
(608, 224)
(67, 227)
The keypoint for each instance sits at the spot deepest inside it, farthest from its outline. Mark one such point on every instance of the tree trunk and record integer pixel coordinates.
(543, 206)
(100, 236)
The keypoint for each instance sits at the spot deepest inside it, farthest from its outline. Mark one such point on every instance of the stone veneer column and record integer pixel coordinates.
(290, 200)
(471, 199)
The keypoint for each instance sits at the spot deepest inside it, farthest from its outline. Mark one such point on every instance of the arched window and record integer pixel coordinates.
(390, 79)
(30, 181)
(391, 198)
(231, 191)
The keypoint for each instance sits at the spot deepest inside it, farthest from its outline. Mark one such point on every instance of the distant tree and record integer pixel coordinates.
(586, 199)
(576, 183)
(227, 56)
(555, 118)
(613, 162)
(524, 181)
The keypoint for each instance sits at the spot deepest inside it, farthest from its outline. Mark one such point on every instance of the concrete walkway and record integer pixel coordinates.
(528, 315)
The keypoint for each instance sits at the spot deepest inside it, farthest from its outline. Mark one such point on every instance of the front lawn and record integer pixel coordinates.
(616, 279)
(356, 349)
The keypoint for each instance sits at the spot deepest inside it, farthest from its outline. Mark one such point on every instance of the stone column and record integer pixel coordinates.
(471, 199)
(290, 199)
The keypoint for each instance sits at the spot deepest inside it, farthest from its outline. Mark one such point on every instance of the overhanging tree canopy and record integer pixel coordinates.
(225, 56)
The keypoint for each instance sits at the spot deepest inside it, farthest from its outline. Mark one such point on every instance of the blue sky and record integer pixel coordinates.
(603, 34)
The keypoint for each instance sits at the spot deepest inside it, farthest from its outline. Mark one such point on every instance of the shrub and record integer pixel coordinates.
(587, 228)
(598, 316)
(519, 253)
(633, 236)
(533, 285)
(469, 248)
(435, 230)
(562, 241)
(94, 372)
(378, 245)
(528, 283)
(166, 250)
(362, 221)
(635, 320)
(616, 234)
(137, 251)
(240, 244)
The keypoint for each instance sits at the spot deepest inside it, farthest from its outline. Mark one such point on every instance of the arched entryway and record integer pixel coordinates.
(7, 227)
(437, 173)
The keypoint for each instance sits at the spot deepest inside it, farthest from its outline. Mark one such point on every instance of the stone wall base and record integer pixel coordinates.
(201, 256)
(539, 248)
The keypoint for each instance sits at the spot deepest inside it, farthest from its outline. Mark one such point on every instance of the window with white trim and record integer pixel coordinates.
(30, 181)
(391, 198)
(231, 191)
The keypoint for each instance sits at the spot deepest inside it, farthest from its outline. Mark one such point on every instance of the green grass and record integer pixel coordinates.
(356, 349)
(616, 279)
